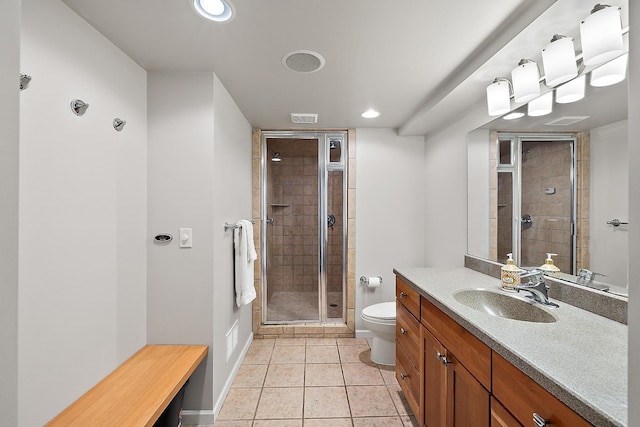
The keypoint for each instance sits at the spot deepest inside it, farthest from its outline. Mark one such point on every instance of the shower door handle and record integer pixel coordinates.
(331, 220)
(269, 220)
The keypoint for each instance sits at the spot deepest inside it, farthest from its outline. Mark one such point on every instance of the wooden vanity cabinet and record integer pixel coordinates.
(408, 349)
(525, 398)
(453, 367)
(500, 417)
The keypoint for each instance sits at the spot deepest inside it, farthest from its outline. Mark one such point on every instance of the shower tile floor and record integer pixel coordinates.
(313, 382)
(288, 306)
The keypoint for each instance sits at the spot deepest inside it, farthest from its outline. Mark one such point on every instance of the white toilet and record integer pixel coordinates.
(381, 320)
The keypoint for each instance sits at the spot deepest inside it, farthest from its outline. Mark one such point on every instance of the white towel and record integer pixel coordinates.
(245, 255)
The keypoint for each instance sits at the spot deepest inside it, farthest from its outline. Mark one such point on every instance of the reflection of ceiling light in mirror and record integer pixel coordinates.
(276, 157)
(572, 91)
(541, 106)
(514, 115)
(215, 10)
(370, 114)
(526, 81)
(498, 98)
(601, 35)
(610, 73)
(559, 61)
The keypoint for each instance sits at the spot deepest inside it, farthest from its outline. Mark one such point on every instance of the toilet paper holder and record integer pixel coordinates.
(364, 280)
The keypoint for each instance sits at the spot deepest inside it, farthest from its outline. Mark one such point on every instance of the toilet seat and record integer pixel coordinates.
(381, 311)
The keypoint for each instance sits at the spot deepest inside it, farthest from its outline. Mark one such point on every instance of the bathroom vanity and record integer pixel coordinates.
(524, 364)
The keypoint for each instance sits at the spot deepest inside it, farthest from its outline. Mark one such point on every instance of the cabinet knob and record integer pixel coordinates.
(403, 331)
(403, 376)
(402, 295)
(538, 421)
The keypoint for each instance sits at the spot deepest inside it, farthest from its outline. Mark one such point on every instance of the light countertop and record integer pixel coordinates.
(581, 358)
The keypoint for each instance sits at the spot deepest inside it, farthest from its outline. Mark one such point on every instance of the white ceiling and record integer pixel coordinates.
(405, 59)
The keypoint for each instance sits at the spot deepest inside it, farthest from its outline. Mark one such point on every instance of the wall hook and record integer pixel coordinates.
(79, 107)
(118, 124)
(24, 81)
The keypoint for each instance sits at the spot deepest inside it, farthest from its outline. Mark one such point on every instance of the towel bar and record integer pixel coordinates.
(228, 226)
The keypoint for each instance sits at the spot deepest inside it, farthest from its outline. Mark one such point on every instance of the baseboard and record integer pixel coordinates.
(193, 417)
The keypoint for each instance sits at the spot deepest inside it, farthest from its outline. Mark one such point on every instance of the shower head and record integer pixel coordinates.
(276, 157)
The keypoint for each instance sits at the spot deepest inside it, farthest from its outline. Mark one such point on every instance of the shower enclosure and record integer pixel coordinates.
(303, 218)
(537, 199)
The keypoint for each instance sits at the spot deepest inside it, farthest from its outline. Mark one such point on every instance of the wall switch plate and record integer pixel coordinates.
(186, 238)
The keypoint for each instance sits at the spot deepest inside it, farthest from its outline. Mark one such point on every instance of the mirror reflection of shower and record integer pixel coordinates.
(304, 247)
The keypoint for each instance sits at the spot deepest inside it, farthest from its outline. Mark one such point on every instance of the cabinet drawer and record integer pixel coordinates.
(469, 350)
(523, 397)
(409, 379)
(408, 296)
(408, 333)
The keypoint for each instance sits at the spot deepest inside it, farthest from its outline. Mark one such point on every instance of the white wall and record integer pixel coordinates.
(478, 182)
(609, 196)
(9, 131)
(199, 177)
(390, 210)
(634, 216)
(82, 210)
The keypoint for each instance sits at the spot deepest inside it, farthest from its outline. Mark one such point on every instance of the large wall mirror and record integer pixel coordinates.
(556, 183)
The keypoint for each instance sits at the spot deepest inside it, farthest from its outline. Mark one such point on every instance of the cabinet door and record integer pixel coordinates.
(467, 399)
(500, 417)
(434, 380)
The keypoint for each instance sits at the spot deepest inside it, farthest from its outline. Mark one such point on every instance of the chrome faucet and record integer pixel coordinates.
(536, 287)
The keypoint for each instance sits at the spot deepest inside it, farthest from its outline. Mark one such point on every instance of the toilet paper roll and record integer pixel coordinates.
(374, 282)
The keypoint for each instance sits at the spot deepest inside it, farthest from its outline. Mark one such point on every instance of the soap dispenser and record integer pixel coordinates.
(549, 267)
(510, 274)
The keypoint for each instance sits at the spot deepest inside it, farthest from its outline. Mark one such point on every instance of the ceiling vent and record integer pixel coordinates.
(303, 61)
(304, 118)
(566, 120)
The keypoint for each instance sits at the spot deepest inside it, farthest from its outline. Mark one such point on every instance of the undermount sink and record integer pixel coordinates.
(500, 304)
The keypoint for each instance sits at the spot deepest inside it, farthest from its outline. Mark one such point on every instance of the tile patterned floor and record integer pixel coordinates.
(314, 382)
(302, 306)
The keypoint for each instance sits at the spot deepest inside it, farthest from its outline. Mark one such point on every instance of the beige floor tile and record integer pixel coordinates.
(388, 374)
(353, 341)
(263, 342)
(370, 401)
(361, 374)
(324, 374)
(399, 400)
(288, 354)
(354, 353)
(328, 422)
(285, 375)
(322, 354)
(280, 403)
(326, 402)
(250, 376)
(240, 404)
(321, 341)
(246, 423)
(290, 341)
(258, 355)
(277, 423)
(409, 421)
(378, 422)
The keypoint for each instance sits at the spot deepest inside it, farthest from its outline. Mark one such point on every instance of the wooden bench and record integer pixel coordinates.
(138, 391)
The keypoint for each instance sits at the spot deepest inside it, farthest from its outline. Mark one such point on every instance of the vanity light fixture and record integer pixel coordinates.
(214, 10)
(498, 97)
(601, 35)
(526, 81)
(610, 73)
(513, 115)
(559, 61)
(571, 91)
(370, 114)
(541, 106)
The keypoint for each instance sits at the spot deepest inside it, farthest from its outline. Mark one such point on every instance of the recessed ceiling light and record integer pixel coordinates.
(370, 114)
(514, 115)
(215, 10)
